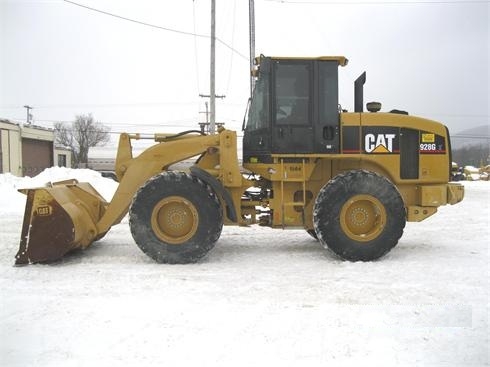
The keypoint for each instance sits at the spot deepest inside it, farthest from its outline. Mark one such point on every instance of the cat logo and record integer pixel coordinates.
(379, 143)
(44, 210)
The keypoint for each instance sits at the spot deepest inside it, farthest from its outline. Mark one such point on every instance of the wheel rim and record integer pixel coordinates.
(363, 218)
(174, 220)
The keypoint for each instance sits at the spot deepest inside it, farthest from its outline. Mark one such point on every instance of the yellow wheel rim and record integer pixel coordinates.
(363, 218)
(174, 220)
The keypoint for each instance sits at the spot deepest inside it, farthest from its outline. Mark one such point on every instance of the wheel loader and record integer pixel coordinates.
(349, 179)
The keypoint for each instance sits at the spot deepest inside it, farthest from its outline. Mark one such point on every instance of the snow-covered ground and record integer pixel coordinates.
(261, 297)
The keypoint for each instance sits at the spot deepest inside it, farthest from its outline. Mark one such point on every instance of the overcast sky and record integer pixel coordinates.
(430, 58)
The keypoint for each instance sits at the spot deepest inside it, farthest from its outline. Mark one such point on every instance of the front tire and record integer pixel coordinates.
(175, 218)
(312, 233)
(359, 215)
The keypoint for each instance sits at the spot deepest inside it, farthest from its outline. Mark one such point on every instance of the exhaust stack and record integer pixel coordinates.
(359, 93)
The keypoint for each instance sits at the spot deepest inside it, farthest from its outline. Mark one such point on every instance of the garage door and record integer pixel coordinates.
(36, 156)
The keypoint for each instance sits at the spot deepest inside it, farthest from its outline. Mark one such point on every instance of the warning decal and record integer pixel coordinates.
(431, 143)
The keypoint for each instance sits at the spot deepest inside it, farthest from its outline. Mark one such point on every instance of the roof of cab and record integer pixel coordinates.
(342, 60)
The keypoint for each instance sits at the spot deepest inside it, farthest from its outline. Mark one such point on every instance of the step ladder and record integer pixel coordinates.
(286, 179)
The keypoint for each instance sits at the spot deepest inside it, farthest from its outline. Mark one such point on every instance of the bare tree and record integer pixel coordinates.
(83, 134)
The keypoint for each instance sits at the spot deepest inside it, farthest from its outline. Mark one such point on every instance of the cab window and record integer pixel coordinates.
(292, 94)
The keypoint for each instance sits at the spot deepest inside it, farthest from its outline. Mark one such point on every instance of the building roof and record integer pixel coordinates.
(22, 125)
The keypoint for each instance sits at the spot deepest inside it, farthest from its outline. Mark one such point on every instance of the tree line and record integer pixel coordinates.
(473, 155)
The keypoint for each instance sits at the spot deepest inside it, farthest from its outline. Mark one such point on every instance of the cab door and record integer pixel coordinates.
(326, 119)
(292, 128)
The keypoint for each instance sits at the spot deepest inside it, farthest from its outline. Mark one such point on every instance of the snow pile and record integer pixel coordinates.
(472, 173)
(12, 201)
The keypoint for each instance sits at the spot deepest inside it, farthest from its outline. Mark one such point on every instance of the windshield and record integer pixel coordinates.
(258, 115)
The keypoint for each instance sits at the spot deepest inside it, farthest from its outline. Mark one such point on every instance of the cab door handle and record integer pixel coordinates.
(328, 132)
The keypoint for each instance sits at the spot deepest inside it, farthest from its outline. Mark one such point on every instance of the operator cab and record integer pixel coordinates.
(294, 108)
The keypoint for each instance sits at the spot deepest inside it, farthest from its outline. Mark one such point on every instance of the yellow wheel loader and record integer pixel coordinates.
(349, 179)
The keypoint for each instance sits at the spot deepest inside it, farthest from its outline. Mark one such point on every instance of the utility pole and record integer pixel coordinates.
(208, 113)
(29, 116)
(212, 82)
(251, 29)
(204, 125)
(212, 88)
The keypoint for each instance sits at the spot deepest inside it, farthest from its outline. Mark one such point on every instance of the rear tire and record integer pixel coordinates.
(359, 215)
(175, 218)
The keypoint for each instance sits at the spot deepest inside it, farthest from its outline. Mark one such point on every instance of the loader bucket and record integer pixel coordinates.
(57, 219)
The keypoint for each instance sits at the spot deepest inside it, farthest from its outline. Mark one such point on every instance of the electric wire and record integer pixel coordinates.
(465, 136)
(232, 45)
(137, 21)
(108, 105)
(196, 58)
(320, 2)
(185, 33)
(188, 123)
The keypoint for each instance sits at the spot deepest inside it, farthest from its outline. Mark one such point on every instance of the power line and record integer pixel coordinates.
(110, 105)
(195, 46)
(231, 48)
(185, 33)
(137, 21)
(189, 121)
(380, 2)
(232, 44)
(470, 136)
(165, 124)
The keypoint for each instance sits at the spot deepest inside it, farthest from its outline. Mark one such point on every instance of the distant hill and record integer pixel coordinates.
(471, 137)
